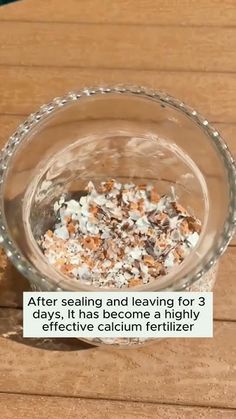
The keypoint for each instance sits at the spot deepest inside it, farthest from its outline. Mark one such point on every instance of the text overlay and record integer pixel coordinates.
(118, 314)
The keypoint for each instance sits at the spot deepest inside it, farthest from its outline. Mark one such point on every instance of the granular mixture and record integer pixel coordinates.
(119, 235)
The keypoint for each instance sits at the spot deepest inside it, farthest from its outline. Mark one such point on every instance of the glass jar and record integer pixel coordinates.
(125, 133)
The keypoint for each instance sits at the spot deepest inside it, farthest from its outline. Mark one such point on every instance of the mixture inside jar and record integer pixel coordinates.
(119, 235)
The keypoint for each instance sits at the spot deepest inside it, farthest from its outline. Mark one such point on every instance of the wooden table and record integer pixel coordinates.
(186, 47)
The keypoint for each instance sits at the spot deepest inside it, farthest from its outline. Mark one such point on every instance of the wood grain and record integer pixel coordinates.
(181, 371)
(96, 46)
(24, 89)
(143, 12)
(33, 407)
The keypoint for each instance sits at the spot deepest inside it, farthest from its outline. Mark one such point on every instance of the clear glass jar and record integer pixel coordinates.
(125, 133)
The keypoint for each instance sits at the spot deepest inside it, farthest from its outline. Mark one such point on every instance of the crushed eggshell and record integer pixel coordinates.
(119, 235)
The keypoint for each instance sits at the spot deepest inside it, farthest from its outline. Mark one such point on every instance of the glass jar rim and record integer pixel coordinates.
(14, 253)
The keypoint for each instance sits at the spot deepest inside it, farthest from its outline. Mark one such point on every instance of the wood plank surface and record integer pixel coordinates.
(30, 407)
(12, 284)
(102, 46)
(143, 12)
(23, 89)
(181, 371)
(186, 48)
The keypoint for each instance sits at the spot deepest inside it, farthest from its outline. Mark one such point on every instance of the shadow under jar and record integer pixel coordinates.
(130, 134)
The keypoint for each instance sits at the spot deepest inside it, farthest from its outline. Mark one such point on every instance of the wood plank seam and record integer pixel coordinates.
(128, 69)
(118, 23)
(121, 400)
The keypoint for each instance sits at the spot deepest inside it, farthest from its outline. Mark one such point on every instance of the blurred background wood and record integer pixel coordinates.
(187, 48)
